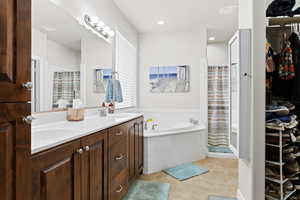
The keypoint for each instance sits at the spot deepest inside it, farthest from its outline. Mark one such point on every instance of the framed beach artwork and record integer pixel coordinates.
(169, 79)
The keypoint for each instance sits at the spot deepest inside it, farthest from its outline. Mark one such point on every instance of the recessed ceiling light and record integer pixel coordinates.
(160, 22)
(211, 38)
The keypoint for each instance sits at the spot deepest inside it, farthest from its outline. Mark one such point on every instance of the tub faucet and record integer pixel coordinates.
(154, 126)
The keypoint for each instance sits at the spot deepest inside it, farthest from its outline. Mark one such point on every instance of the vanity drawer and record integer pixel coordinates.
(118, 158)
(117, 134)
(119, 186)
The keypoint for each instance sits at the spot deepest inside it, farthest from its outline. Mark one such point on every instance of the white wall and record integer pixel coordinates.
(54, 53)
(245, 169)
(59, 55)
(184, 48)
(251, 175)
(39, 44)
(258, 89)
(217, 54)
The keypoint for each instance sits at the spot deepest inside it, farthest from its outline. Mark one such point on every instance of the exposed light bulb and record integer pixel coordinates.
(94, 20)
(111, 33)
(211, 38)
(106, 29)
(101, 24)
(96, 26)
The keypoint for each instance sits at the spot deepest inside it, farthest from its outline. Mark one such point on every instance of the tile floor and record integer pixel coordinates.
(221, 180)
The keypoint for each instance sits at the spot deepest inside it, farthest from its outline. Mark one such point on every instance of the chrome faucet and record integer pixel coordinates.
(103, 111)
(154, 126)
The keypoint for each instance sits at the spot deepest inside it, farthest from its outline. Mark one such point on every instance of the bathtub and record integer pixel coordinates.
(176, 141)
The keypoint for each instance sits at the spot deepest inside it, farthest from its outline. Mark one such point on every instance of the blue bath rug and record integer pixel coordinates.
(220, 198)
(148, 190)
(219, 149)
(185, 171)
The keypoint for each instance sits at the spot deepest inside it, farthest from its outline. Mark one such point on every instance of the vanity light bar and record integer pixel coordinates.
(97, 27)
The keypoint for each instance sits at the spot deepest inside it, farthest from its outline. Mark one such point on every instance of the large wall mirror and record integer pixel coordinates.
(68, 61)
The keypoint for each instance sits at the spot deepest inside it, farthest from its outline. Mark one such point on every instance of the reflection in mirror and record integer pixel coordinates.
(56, 57)
(169, 79)
(66, 87)
(101, 77)
(64, 56)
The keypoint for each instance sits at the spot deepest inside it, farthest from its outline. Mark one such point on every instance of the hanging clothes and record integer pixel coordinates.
(295, 45)
(286, 65)
(270, 65)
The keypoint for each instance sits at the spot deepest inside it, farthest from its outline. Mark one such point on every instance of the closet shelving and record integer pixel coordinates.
(289, 23)
(281, 181)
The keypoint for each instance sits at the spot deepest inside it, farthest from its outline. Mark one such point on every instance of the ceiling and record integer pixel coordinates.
(182, 15)
(56, 23)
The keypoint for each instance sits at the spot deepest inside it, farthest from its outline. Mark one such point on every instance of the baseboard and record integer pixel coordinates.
(239, 195)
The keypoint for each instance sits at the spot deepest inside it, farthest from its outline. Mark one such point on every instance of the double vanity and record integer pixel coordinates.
(95, 159)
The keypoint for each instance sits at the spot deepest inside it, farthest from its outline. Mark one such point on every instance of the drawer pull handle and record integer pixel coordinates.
(119, 190)
(119, 133)
(80, 151)
(27, 85)
(28, 119)
(87, 148)
(120, 157)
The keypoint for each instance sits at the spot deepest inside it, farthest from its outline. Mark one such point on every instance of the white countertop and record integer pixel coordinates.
(49, 135)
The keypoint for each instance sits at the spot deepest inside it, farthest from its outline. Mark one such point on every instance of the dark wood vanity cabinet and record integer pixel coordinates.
(101, 166)
(73, 171)
(56, 173)
(94, 167)
(126, 156)
(136, 148)
(118, 161)
(139, 148)
(132, 138)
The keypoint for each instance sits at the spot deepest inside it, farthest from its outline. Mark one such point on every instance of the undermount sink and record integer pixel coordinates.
(121, 115)
(46, 133)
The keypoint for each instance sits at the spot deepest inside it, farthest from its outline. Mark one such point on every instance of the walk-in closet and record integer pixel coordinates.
(283, 108)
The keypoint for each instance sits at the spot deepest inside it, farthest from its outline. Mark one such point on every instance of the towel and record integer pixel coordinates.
(114, 91)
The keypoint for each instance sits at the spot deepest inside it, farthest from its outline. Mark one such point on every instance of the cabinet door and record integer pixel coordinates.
(131, 146)
(15, 48)
(94, 167)
(140, 141)
(15, 152)
(15, 56)
(139, 146)
(57, 174)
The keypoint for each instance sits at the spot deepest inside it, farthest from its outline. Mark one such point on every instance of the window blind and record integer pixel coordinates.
(126, 66)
